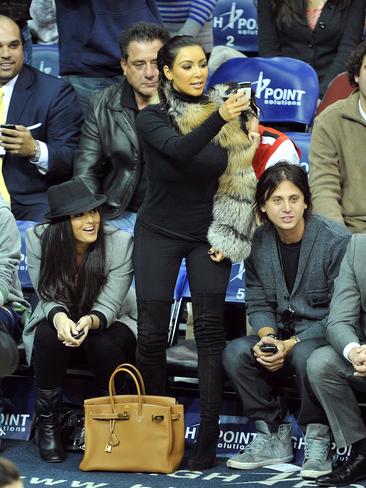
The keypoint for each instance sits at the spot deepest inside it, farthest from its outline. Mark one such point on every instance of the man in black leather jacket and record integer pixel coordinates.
(109, 158)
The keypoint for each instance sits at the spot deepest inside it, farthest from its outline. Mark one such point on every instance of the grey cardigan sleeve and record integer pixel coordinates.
(33, 245)
(261, 313)
(10, 252)
(345, 307)
(119, 261)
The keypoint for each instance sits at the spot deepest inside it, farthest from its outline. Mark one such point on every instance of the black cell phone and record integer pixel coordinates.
(7, 126)
(268, 348)
(79, 334)
(244, 87)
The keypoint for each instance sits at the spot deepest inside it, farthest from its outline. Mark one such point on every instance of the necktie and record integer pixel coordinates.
(3, 190)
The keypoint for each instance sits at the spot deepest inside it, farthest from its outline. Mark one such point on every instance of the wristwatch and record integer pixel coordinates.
(271, 334)
(37, 153)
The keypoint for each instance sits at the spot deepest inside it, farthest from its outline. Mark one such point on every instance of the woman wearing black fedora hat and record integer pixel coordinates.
(82, 273)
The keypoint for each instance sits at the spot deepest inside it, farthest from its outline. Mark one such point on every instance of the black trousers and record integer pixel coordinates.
(104, 351)
(254, 383)
(157, 259)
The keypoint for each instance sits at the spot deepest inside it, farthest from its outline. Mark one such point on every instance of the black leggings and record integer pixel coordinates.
(157, 260)
(104, 351)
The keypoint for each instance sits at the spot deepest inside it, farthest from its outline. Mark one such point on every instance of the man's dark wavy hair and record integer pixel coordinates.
(354, 62)
(142, 32)
(273, 177)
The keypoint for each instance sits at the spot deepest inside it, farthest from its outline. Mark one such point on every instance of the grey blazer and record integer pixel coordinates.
(322, 249)
(347, 316)
(116, 301)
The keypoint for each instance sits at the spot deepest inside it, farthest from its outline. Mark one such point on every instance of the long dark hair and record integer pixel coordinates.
(60, 279)
(273, 177)
(166, 57)
(287, 12)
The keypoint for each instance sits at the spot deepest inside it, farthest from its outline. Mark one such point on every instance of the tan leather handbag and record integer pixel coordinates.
(136, 433)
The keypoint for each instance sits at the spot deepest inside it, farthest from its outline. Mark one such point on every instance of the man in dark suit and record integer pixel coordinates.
(338, 370)
(47, 117)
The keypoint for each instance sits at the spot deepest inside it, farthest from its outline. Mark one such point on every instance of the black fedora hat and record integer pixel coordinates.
(71, 198)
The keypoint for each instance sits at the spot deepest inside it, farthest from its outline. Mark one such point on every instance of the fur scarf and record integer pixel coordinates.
(233, 224)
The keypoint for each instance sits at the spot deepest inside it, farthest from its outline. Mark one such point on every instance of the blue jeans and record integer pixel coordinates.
(86, 87)
(126, 221)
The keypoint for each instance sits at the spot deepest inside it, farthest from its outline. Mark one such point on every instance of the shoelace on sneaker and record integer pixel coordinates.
(316, 449)
(258, 441)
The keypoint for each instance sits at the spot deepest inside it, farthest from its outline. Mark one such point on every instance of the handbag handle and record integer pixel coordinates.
(112, 388)
(138, 374)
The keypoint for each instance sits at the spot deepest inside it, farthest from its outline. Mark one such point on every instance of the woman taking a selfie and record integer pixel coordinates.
(190, 140)
(82, 273)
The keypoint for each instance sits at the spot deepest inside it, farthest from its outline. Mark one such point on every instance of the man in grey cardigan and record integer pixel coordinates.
(294, 260)
(14, 310)
(337, 371)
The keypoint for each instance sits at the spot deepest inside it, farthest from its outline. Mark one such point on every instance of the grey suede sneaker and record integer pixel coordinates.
(317, 454)
(265, 448)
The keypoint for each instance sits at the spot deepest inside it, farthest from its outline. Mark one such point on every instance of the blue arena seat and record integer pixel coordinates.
(45, 57)
(235, 293)
(286, 89)
(302, 141)
(235, 25)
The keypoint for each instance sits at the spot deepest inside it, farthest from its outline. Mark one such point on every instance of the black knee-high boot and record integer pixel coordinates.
(152, 339)
(48, 429)
(208, 313)
(203, 452)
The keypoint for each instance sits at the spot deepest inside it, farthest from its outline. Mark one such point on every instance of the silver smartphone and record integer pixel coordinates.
(245, 88)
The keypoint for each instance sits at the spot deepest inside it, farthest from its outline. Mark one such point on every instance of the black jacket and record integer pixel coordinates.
(326, 48)
(109, 158)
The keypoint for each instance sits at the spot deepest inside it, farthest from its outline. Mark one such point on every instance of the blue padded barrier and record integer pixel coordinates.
(286, 89)
(235, 25)
(302, 141)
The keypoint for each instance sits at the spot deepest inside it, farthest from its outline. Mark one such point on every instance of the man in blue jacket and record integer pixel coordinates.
(294, 260)
(39, 151)
(89, 55)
